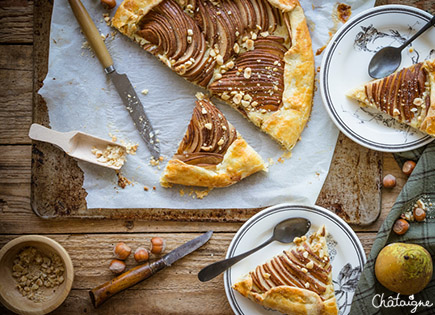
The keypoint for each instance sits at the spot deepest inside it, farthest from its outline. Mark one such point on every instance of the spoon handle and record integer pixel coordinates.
(218, 267)
(421, 31)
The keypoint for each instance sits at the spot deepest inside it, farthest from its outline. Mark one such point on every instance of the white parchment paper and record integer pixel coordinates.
(79, 96)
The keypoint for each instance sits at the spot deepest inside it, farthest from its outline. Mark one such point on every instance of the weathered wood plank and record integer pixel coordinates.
(15, 106)
(389, 196)
(16, 21)
(356, 171)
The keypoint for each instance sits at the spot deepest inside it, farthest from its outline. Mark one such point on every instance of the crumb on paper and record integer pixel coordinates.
(122, 181)
(271, 161)
(287, 154)
(344, 12)
(85, 45)
(111, 156)
(131, 147)
(145, 188)
(114, 138)
(411, 50)
(200, 194)
(144, 91)
(318, 69)
(154, 162)
(154, 188)
(106, 19)
(280, 160)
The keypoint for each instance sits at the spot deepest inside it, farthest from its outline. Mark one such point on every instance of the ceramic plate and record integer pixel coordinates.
(345, 66)
(345, 250)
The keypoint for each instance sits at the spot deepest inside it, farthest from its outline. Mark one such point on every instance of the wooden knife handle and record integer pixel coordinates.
(91, 32)
(103, 292)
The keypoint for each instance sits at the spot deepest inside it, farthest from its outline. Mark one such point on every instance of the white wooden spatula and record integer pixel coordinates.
(81, 146)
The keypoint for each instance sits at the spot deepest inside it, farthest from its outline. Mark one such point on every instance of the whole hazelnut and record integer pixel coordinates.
(117, 266)
(401, 226)
(389, 181)
(141, 254)
(408, 167)
(419, 214)
(109, 4)
(121, 251)
(158, 245)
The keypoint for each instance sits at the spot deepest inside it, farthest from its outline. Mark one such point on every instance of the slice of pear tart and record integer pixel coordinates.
(212, 153)
(407, 95)
(297, 281)
(256, 55)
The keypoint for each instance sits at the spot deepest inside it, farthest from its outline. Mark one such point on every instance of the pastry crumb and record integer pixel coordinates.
(154, 188)
(145, 188)
(114, 138)
(280, 160)
(112, 155)
(154, 162)
(122, 181)
(145, 91)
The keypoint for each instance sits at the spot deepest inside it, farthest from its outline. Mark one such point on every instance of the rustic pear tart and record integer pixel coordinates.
(212, 153)
(256, 55)
(298, 281)
(407, 95)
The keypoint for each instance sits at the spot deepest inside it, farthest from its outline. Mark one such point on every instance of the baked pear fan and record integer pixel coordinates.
(298, 281)
(256, 55)
(212, 153)
(407, 95)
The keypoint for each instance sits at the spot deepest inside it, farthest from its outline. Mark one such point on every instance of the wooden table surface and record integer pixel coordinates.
(89, 242)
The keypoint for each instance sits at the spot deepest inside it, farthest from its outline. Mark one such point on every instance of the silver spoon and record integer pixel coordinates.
(284, 232)
(388, 59)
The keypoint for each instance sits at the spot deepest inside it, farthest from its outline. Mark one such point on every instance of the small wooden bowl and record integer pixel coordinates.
(9, 294)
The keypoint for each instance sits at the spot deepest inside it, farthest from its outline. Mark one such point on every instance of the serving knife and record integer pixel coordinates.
(101, 293)
(121, 81)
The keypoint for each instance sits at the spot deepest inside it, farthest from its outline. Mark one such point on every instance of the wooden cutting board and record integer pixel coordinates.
(352, 188)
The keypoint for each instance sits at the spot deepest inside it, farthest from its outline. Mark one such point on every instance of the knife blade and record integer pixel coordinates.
(137, 274)
(121, 81)
(186, 248)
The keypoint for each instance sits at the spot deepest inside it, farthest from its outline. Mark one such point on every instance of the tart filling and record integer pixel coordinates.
(407, 95)
(212, 153)
(254, 54)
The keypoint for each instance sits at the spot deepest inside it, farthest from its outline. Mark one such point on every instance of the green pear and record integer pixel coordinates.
(404, 268)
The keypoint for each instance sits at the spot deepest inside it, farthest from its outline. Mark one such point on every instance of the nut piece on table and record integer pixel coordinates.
(141, 254)
(408, 167)
(121, 251)
(401, 226)
(419, 214)
(389, 181)
(158, 245)
(109, 4)
(117, 266)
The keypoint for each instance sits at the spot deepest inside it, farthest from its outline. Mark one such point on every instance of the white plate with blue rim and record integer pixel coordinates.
(345, 251)
(345, 66)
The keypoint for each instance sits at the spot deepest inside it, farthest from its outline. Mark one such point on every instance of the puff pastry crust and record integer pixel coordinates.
(211, 156)
(218, 47)
(298, 281)
(407, 95)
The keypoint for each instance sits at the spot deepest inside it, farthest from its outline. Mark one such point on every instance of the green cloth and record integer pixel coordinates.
(421, 184)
